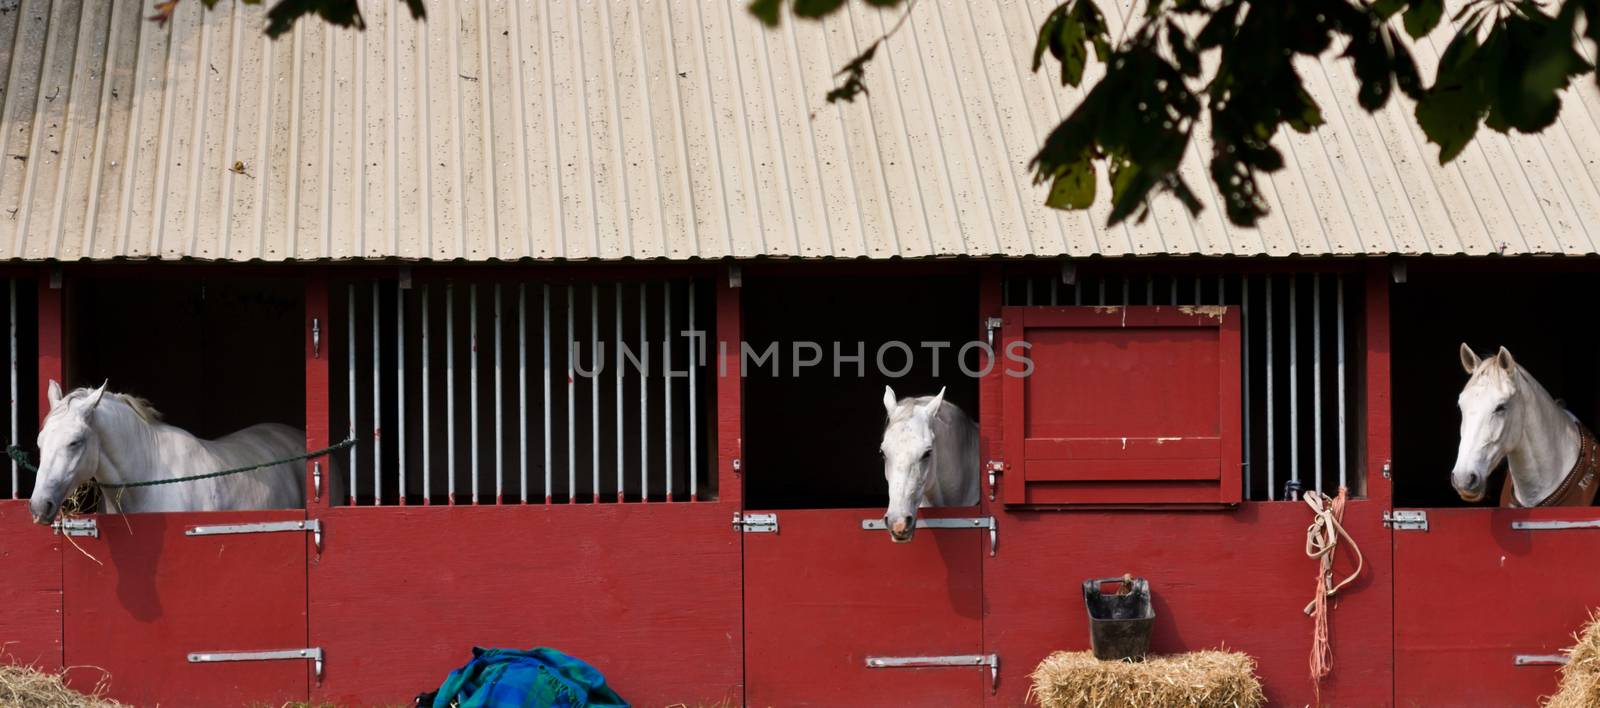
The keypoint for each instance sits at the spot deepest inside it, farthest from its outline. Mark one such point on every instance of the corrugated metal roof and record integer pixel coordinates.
(673, 129)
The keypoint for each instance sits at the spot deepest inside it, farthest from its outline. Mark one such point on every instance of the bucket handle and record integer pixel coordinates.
(1128, 583)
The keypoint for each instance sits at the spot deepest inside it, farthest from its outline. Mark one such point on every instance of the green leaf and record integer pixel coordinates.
(1182, 51)
(816, 8)
(766, 11)
(418, 11)
(1422, 16)
(1073, 186)
(1070, 50)
(1047, 34)
(1449, 117)
(1307, 115)
(342, 13)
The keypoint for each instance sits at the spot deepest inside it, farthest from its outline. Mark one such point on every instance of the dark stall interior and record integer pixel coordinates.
(1532, 314)
(213, 354)
(811, 440)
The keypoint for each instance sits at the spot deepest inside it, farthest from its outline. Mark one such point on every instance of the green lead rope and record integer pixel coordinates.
(21, 458)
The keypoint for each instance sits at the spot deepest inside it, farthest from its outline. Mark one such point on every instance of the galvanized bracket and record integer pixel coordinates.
(922, 662)
(316, 338)
(76, 527)
(1555, 525)
(990, 325)
(312, 525)
(994, 467)
(971, 522)
(755, 523)
(1406, 520)
(1541, 660)
(313, 654)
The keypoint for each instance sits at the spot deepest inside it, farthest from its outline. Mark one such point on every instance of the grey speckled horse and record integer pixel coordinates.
(930, 458)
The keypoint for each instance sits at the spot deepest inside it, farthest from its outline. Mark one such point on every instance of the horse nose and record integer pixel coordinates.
(1472, 481)
(44, 513)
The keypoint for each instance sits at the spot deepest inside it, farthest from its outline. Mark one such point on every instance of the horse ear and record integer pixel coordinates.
(1505, 361)
(94, 398)
(1469, 359)
(889, 401)
(932, 407)
(54, 394)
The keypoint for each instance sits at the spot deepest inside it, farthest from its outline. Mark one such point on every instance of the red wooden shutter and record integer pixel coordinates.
(1125, 406)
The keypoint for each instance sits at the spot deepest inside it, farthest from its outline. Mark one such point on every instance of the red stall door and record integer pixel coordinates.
(189, 609)
(1485, 599)
(30, 628)
(838, 615)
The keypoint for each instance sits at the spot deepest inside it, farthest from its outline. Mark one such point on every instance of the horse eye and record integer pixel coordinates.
(1500, 408)
(927, 453)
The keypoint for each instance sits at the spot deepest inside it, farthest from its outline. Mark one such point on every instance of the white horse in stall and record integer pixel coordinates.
(1507, 416)
(117, 439)
(930, 457)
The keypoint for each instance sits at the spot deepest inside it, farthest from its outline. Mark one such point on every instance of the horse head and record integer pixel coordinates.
(1492, 418)
(69, 449)
(907, 450)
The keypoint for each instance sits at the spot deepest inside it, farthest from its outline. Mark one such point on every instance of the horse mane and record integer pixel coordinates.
(140, 406)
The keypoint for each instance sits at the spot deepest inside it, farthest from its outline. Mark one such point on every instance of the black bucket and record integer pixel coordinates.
(1119, 623)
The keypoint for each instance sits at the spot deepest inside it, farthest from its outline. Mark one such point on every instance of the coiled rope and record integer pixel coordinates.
(1322, 540)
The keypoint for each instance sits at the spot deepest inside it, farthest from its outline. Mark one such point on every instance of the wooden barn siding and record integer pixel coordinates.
(1235, 578)
(30, 628)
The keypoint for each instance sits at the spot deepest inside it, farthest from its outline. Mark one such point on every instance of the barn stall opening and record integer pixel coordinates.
(410, 215)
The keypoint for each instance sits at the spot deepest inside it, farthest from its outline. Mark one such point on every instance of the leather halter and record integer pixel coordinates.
(1577, 488)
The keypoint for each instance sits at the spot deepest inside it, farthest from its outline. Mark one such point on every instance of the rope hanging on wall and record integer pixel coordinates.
(1322, 540)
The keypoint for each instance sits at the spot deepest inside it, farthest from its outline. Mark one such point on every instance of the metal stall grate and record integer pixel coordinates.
(523, 392)
(1300, 355)
(22, 416)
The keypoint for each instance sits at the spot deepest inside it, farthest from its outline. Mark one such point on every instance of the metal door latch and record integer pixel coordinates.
(973, 522)
(312, 525)
(922, 662)
(1406, 520)
(313, 654)
(76, 527)
(994, 467)
(755, 523)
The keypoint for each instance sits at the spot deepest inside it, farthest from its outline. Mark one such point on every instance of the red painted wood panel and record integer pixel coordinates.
(52, 342)
(157, 595)
(822, 594)
(1124, 406)
(30, 627)
(648, 594)
(1237, 578)
(1471, 593)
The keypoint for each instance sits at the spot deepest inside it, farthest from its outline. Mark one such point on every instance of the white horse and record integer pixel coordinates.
(119, 439)
(930, 457)
(1507, 416)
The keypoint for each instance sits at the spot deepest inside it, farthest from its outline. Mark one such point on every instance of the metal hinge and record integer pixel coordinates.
(313, 654)
(76, 527)
(312, 525)
(921, 662)
(973, 522)
(995, 467)
(1541, 660)
(990, 325)
(756, 523)
(1555, 525)
(1406, 520)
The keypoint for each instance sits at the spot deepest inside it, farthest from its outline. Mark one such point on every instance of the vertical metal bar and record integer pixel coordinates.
(377, 400)
(450, 389)
(666, 363)
(1053, 298)
(522, 387)
(1272, 492)
(1197, 290)
(546, 385)
(350, 372)
(499, 407)
(1102, 288)
(644, 397)
(594, 389)
(1338, 295)
(15, 430)
(1127, 297)
(618, 382)
(1027, 291)
(1294, 381)
(1174, 296)
(694, 362)
(472, 383)
(1005, 292)
(400, 386)
(1150, 290)
(1077, 292)
(1244, 353)
(1316, 376)
(427, 420)
(572, 412)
